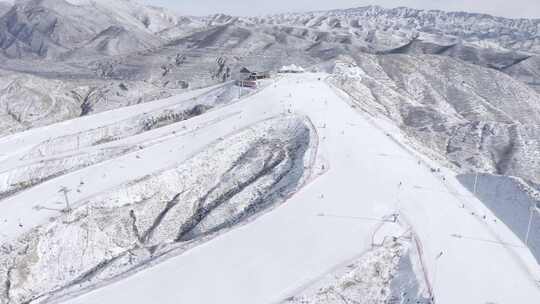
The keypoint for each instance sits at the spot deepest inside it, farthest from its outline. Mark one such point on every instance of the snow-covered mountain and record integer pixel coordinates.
(49, 28)
(292, 193)
(379, 26)
(4, 7)
(475, 117)
(402, 166)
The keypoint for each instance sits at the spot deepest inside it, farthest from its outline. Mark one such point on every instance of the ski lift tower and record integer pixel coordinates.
(65, 190)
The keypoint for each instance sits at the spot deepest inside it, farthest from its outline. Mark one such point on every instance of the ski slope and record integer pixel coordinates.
(364, 172)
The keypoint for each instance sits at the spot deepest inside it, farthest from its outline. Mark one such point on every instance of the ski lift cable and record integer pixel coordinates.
(505, 244)
(363, 218)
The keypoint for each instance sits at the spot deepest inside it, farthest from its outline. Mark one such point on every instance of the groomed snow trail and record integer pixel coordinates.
(327, 222)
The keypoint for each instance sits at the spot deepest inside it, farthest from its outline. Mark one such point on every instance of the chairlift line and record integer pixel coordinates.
(361, 218)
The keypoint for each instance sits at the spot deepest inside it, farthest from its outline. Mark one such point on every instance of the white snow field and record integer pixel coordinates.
(363, 203)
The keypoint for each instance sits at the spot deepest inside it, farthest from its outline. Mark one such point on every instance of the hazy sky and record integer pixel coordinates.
(506, 8)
